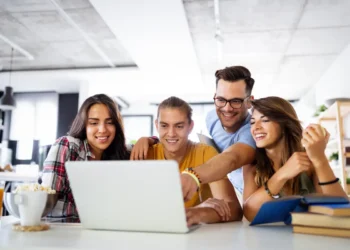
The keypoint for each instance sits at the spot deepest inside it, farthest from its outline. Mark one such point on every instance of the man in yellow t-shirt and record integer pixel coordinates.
(195, 155)
(174, 124)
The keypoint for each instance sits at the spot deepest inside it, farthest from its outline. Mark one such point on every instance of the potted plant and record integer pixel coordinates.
(348, 184)
(334, 157)
(319, 110)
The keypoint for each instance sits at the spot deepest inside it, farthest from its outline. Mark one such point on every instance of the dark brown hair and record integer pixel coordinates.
(177, 103)
(283, 113)
(236, 73)
(117, 150)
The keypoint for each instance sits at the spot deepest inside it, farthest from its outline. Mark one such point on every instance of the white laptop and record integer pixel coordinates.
(207, 140)
(128, 195)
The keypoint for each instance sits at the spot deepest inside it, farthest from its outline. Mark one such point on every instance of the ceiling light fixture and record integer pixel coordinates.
(7, 101)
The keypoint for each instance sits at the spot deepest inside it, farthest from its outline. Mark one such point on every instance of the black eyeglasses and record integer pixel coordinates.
(235, 103)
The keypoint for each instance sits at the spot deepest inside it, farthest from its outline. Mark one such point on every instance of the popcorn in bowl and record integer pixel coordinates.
(34, 187)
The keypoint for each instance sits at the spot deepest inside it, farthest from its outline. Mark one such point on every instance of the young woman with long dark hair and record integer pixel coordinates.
(289, 160)
(96, 134)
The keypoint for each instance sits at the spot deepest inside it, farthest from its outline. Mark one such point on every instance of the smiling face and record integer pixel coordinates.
(174, 128)
(100, 129)
(232, 118)
(266, 133)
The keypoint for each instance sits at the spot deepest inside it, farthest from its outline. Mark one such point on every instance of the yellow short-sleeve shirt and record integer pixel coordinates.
(197, 154)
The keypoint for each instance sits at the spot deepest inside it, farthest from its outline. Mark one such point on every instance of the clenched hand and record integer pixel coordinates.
(315, 139)
(299, 162)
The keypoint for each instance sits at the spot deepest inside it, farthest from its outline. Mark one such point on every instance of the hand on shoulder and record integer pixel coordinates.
(140, 149)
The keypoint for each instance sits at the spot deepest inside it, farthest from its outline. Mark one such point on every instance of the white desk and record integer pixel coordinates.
(235, 235)
(13, 176)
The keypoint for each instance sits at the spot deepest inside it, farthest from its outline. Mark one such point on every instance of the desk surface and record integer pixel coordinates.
(234, 235)
(12, 176)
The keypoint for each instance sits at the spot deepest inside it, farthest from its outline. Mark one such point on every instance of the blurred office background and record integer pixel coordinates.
(56, 53)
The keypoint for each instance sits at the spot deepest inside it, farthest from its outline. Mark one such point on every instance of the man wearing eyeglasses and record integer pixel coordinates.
(229, 127)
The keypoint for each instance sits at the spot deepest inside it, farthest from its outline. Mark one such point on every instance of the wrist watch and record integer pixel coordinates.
(275, 196)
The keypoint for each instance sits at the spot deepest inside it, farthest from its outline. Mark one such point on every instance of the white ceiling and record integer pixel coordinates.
(57, 34)
(287, 44)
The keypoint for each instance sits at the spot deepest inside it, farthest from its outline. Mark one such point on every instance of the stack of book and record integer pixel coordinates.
(323, 219)
(279, 210)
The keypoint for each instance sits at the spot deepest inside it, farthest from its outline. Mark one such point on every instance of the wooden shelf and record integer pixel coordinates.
(334, 115)
(331, 113)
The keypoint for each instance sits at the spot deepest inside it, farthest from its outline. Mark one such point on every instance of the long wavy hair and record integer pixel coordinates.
(282, 112)
(117, 150)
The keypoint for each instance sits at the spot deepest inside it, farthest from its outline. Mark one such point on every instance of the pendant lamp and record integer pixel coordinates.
(7, 101)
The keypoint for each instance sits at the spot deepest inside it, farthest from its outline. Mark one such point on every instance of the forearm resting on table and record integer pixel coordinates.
(324, 173)
(252, 205)
(209, 215)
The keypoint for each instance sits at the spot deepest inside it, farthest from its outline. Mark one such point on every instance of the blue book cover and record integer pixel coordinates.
(334, 206)
(313, 199)
(279, 210)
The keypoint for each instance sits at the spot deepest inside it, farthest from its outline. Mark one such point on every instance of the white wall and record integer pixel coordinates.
(335, 82)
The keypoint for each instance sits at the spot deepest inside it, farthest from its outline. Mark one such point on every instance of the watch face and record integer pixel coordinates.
(269, 193)
(276, 196)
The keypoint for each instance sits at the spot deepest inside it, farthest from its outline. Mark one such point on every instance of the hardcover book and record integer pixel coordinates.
(331, 209)
(320, 220)
(322, 231)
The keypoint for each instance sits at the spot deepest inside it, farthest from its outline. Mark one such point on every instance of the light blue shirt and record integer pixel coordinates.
(224, 139)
